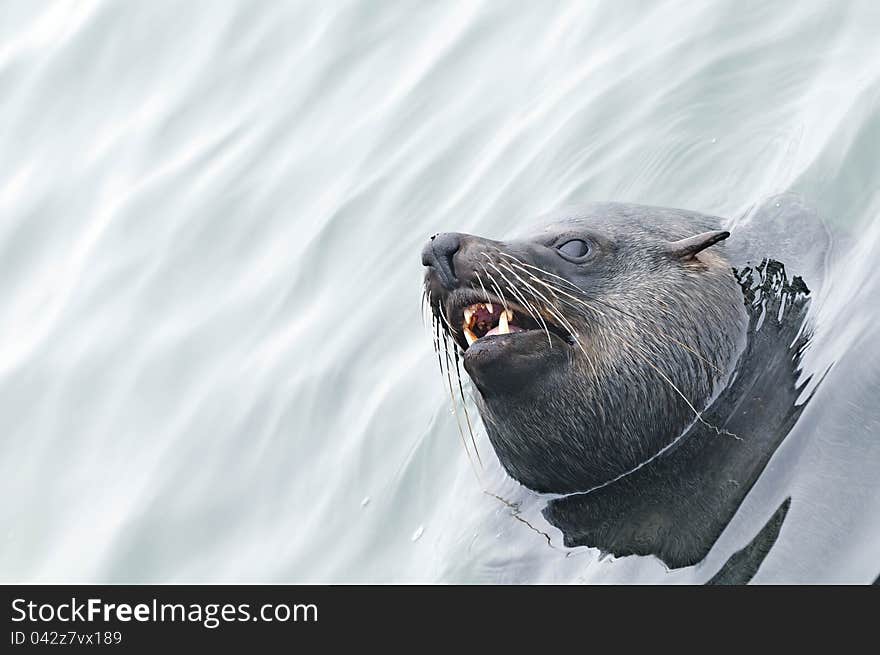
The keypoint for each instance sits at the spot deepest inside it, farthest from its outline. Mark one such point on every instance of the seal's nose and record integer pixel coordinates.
(438, 253)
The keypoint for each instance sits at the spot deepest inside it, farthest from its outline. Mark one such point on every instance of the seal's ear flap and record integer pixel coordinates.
(688, 248)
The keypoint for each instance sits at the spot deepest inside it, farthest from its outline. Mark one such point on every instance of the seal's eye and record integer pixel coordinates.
(574, 248)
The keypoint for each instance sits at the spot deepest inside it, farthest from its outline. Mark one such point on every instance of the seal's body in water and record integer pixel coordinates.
(595, 343)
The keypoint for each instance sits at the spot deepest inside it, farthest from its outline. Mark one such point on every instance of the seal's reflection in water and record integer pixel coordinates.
(600, 417)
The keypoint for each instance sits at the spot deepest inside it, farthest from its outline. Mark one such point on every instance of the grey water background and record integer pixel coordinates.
(212, 361)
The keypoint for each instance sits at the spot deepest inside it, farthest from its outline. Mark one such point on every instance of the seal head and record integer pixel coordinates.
(594, 341)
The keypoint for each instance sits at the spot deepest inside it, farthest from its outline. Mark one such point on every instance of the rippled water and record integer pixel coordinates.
(212, 365)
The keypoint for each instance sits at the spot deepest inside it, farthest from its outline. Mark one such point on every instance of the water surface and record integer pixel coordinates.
(212, 365)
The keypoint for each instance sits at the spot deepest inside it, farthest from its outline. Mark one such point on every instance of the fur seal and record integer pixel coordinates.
(612, 352)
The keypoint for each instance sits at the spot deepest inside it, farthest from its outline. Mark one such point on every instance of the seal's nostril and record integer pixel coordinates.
(438, 254)
(446, 244)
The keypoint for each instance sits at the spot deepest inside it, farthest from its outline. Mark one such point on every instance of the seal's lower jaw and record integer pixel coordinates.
(514, 363)
(505, 347)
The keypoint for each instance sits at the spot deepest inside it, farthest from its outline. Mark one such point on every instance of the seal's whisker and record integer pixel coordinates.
(467, 415)
(439, 335)
(482, 286)
(534, 314)
(426, 311)
(427, 314)
(452, 330)
(436, 339)
(495, 286)
(455, 348)
(452, 396)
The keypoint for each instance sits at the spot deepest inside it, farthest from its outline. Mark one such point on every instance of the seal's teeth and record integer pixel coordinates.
(503, 327)
(488, 307)
(470, 336)
(468, 313)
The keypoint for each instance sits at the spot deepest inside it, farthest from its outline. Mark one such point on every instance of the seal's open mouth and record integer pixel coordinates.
(490, 318)
(486, 319)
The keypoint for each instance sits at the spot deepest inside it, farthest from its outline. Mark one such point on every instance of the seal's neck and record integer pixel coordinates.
(677, 505)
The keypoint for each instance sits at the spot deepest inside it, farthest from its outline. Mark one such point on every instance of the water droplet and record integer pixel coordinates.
(365, 501)
(778, 204)
(418, 533)
(714, 140)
